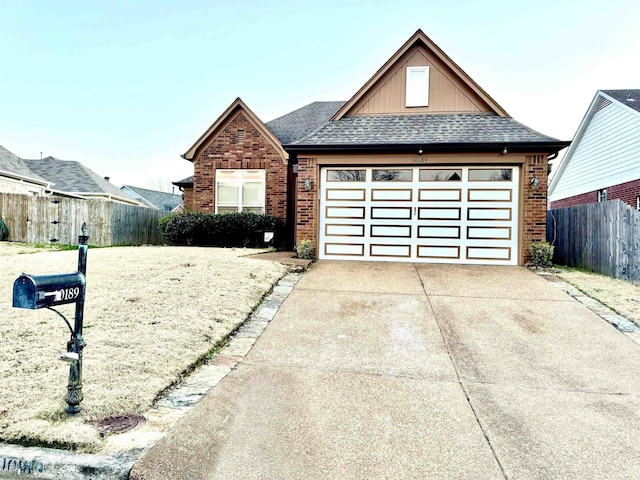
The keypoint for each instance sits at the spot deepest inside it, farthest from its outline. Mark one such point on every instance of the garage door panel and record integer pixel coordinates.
(450, 252)
(434, 213)
(439, 232)
(399, 231)
(345, 212)
(344, 249)
(495, 214)
(343, 230)
(391, 194)
(489, 233)
(356, 194)
(490, 195)
(440, 195)
(389, 250)
(403, 213)
(489, 253)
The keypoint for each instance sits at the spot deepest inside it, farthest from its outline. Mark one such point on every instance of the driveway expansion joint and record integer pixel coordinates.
(120, 452)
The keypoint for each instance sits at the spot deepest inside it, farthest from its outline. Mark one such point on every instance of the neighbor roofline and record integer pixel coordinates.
(17, 176)
(426, 148)
(420, 36)
(223, 120)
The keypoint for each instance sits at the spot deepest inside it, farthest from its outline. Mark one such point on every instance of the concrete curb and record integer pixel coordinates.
(122, 451)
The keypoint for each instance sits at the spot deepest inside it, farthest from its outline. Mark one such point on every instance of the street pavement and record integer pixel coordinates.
(403, 371)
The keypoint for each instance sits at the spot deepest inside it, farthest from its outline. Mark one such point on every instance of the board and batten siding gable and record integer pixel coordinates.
(447, 93)
(607, 153)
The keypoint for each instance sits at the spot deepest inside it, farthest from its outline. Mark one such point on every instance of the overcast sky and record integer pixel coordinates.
(126, 87)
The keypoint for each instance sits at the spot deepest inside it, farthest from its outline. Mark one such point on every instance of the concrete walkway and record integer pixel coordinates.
(402, 371)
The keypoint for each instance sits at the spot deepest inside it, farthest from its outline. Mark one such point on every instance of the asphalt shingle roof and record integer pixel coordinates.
(295, 125)
(159, 200)
(631, 98)
(73, 177)
(423, 129)
(11, 163)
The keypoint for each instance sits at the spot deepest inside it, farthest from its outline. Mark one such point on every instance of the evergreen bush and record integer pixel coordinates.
(542, 254)
(305, 250)
(219, 230)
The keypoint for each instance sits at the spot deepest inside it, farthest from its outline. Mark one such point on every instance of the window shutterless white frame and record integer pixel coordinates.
(241, 180)
(417, 87)
(602, 195)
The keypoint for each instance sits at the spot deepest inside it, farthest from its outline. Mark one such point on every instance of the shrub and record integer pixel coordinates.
(305, 250)
(542, 254)
(219, 230)
(4, 231)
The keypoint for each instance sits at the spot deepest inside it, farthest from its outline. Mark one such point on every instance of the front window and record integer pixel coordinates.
(240, 191)
(602, 195)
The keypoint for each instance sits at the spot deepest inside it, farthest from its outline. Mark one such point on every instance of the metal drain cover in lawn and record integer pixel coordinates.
(120, 424)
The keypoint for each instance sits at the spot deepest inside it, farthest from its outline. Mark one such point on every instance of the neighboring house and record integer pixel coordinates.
(603, 162)
(52, 176)
(73, 178)
(16, 177)
(167, 202)
(420, 165)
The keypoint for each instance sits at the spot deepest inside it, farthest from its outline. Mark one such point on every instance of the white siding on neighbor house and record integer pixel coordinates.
(608, 153)
(12, 185)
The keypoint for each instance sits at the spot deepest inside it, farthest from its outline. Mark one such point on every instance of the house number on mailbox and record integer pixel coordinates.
(65, 294)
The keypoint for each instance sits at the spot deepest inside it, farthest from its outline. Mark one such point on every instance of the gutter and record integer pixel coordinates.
(426, 148)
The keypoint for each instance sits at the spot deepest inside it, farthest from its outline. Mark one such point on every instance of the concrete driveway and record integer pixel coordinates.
(402, 371)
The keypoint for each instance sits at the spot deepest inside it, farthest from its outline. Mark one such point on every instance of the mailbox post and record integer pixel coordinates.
(47, 291)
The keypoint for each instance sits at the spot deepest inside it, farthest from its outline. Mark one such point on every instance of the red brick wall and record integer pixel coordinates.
(247, 150)
(187, 196)
(534, 221)
(307, 211)
(627, 192)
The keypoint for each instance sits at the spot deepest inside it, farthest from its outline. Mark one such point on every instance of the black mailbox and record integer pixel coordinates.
(41, 291)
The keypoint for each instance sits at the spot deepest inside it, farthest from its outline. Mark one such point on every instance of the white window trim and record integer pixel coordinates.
(417, 97)
(602, 193)
(241, 181)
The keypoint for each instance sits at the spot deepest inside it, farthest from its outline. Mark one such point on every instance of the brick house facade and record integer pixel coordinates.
(438, 174)
(628, 192)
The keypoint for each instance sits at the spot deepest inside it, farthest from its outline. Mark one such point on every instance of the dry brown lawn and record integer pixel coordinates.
(150, 314)
(619, 295)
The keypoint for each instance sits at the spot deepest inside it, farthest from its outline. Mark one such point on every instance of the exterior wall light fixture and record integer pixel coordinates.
(307, 184)
(535, 183)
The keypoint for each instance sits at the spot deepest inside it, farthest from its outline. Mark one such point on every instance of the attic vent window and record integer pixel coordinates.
(604, 103)
(417, 87)
(240, 136)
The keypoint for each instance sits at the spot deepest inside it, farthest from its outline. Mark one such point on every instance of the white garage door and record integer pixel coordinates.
(420, 214)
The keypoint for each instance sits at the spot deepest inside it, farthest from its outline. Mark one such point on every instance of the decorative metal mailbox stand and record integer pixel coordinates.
(47, 291)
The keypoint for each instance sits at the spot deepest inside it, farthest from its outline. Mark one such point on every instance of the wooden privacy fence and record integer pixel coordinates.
(603, 237)
(58, 220)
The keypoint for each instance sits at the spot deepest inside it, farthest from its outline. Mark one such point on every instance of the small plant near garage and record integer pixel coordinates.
(542, 254)
(305, 249)
(4, 231)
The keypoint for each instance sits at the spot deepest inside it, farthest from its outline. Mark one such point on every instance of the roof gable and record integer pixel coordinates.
(237, 107)
(451, 89)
